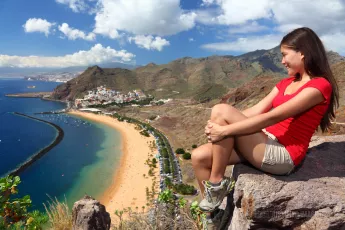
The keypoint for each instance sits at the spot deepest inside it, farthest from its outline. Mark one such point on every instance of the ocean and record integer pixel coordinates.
(82, 163)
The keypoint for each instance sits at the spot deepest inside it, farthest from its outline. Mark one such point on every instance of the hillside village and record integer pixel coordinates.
(105, 96)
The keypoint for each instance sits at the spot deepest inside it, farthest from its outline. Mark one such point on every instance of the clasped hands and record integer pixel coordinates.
(214, 132)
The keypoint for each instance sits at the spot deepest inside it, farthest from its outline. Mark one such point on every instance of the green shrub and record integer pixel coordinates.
(149, 128)
(165, 153)
(166, 196)
(166, 167)
(184, 189)
(144, 133)
(194, 146)
(187, 156)
(13, 211)
(180, 151)
(168, 182)
(152, 117)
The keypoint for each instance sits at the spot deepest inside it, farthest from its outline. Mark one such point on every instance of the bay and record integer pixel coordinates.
(82, 163)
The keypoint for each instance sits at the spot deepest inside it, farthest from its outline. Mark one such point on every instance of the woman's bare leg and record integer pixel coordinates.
(251, 147)
(202, 163)
(221, 150)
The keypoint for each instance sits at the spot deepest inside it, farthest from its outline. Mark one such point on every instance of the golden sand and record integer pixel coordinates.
(128, 188)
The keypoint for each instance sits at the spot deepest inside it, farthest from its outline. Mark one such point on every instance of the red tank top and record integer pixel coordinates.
(295, 132)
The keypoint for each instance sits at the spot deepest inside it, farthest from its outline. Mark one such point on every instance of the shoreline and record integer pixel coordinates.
(42, 152)
(128, 187)
(42, 95)
(30, 95)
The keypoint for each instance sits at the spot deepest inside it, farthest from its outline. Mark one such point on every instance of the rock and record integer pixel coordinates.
(312, 197)
(89, 214)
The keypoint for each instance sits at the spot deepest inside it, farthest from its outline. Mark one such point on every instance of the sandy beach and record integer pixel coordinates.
(128, 188)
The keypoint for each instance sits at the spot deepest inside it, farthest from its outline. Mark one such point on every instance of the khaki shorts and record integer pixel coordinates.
(277, 159)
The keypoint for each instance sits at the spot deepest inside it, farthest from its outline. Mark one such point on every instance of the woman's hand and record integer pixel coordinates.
(214, 132)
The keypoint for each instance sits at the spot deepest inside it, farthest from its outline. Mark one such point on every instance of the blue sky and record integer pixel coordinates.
(61, 33)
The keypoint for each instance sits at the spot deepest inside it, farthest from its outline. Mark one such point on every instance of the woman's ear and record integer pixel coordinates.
(302, 55)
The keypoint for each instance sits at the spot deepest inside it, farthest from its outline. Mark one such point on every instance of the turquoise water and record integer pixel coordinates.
(83, 162)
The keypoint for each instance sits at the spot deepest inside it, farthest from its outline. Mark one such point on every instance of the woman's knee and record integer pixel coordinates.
(224, 114)
(202, 156)
(220, 112)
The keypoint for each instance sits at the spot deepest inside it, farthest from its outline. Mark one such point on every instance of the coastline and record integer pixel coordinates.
(42, 95)
(30, 95)
(128, 187)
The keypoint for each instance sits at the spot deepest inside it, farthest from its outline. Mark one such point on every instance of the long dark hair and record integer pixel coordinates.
(316, 64)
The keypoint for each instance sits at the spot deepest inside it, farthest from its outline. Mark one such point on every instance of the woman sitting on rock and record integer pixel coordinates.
(273, 135)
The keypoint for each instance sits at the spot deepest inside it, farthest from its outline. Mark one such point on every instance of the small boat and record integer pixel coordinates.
(31, 86)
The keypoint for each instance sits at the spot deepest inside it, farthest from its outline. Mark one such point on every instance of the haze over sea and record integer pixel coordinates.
(83, 162)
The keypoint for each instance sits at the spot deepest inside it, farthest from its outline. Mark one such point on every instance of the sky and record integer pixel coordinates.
(62, 33)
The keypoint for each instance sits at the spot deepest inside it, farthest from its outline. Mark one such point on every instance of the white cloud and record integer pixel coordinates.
(149, 42)
(288, 27)
(191, 39)
(334, 42)
(248, 28)
(323, 16)
(207, 2)
(150, 17)
(326, 18)
(75, 5)
(239, 11)
(38, 25)
(235, 12)
(207, 16)
(73, 34)
(96, 55)
(246, 44)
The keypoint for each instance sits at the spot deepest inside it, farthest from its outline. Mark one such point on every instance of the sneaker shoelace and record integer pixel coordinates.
(207, 192)
(232, 184)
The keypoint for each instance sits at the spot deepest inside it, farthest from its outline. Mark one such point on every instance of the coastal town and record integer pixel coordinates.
(53, 77)
(103, 96)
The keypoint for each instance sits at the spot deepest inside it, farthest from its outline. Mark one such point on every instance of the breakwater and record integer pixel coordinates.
(42, 152)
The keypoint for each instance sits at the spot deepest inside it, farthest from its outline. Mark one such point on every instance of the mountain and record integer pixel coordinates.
(271, 59)
(334, 58)
(92, 77)
(201, 79)
(15, 71)
(268, 59)
(339, 74)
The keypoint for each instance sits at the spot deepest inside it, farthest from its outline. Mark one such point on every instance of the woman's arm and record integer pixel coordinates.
(263, 106)
(303, 101)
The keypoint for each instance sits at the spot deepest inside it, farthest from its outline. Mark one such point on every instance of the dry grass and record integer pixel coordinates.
(60, 217)
(160, 218)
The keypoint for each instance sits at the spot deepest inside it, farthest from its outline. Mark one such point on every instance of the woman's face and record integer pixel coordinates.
(292, 60)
